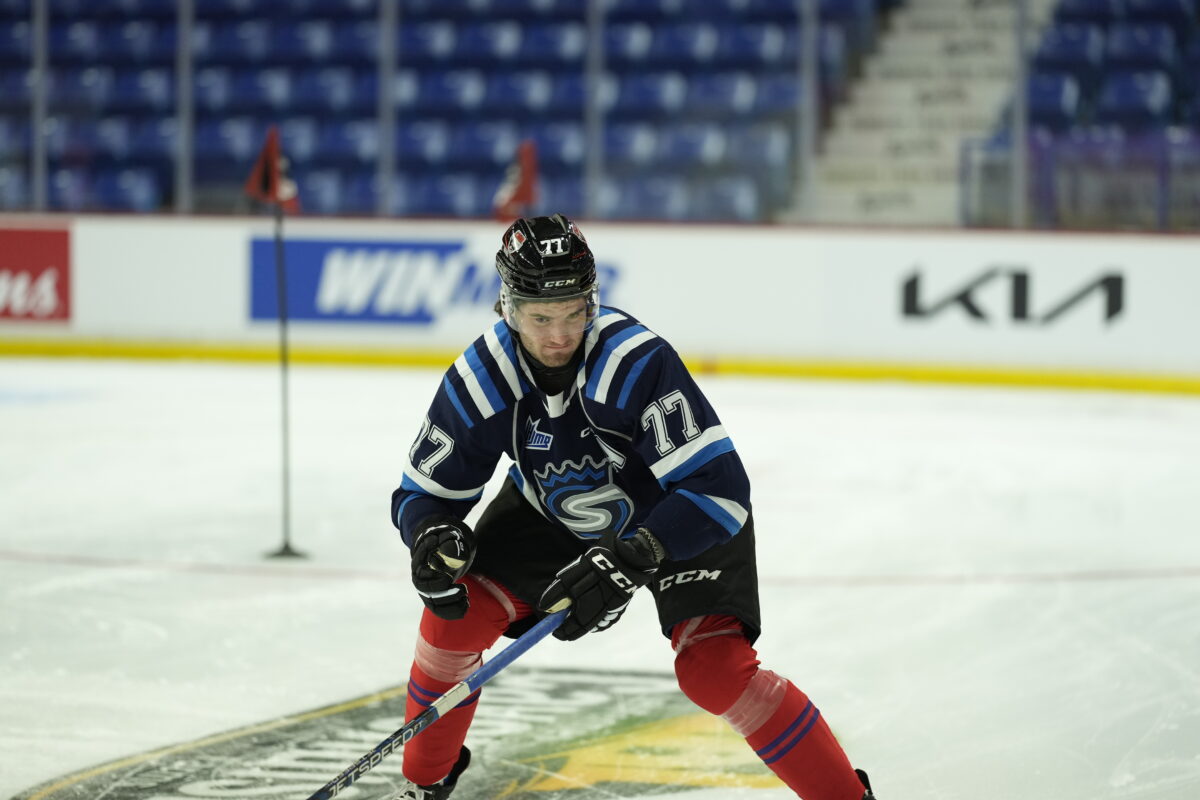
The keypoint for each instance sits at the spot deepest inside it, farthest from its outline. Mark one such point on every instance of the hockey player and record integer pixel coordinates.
(622, 477)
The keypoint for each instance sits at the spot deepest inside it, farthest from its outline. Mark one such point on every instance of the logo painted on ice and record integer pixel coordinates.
(583, 496)
(409, 282)
(535, 439)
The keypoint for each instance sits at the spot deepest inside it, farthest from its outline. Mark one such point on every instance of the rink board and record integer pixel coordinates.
(1064, 309)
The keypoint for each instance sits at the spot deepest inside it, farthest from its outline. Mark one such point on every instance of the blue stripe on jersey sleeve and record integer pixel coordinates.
(722, 517)
(697, 461)
(504, 335)
(606, 353)
(632, 377)
(485, 379)
(458, 406)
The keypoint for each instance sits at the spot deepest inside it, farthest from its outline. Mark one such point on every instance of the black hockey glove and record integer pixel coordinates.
(442, 552)
(600, 582)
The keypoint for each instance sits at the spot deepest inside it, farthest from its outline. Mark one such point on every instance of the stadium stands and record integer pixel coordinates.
(700, 99)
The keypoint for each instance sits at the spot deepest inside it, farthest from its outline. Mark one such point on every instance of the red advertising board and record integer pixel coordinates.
(35, 275)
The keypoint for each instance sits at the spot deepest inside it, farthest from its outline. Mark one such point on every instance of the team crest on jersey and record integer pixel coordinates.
(535, 439)
(583, 496)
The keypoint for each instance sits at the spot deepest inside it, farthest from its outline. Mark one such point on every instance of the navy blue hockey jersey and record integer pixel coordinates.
(632, 442)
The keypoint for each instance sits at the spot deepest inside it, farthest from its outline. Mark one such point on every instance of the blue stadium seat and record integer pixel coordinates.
(70, 189)
(726, 198)
(649, 10)
(449, 91)
(88, 89)
(303, 42)
(460, 194)
(320, 190)
(1053, 100)
(239, 43)
(691, 146)
(688, 45)
(720, 94)
(1178, 15)
(564, 193)
(553, 44)
(627, 44)
(155, 139)
(348, 9)
(350, 142)
(14, 42)
(140, 42)
(1072, 48)
(128, 190)
(1089, 12)
(429, 42)
(360, 190)
(630, 145)
(1135, 100)
(356, 42)
(656, 94)
(75, 43)
(492, 42)
(334, 90)
(568, 94)
(261, 91)
(14, 90)
(452, 9)
(423, 143)
(143, 91)
(560, 145)
(555, 9)
(477, 145)
(1140, 47)
(778, 95)
(648, 197)
(14, 138)
(518, 93)
(212, 89)
(755, 46)
(299, 139)
(759, 147)
(229, 142)
(14, 188)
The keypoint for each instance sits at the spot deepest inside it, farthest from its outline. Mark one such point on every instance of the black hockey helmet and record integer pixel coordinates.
(545, 259)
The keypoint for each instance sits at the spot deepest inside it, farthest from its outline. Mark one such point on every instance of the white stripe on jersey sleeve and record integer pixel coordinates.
(430, 486)
(685, 451)
(473, 386)
(614, 360)
(602, 322)
(735, 510)
(507, 367)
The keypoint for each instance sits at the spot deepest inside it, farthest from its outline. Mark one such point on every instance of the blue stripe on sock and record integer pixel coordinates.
(795, 740)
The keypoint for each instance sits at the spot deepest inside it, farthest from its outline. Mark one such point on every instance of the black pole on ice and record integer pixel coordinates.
(285, 550)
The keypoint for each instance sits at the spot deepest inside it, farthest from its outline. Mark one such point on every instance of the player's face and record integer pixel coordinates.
(551, 331)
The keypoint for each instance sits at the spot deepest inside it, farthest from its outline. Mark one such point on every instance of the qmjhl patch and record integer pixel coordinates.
(539, 734)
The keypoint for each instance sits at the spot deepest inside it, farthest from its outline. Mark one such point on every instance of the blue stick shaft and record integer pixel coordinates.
(449, 700)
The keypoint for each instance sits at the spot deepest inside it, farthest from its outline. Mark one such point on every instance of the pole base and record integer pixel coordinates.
(287, 552)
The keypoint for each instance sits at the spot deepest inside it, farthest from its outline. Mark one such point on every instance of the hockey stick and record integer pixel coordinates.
(455, 695)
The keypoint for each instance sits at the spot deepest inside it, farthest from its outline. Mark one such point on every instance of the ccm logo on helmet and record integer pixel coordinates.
(688, 576)
(558, 283)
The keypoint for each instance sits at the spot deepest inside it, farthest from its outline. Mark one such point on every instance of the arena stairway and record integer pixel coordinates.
(942, 72)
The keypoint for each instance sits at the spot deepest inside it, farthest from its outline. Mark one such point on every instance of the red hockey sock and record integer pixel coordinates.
(718, 669)
(447, 652)
(798, 746)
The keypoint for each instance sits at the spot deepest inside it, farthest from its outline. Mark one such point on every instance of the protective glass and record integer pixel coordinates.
(559, 316)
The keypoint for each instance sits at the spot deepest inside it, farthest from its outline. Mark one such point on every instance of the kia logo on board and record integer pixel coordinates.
(1020, 307)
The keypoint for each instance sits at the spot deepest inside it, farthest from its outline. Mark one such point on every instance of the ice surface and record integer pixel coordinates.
(991, 594)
